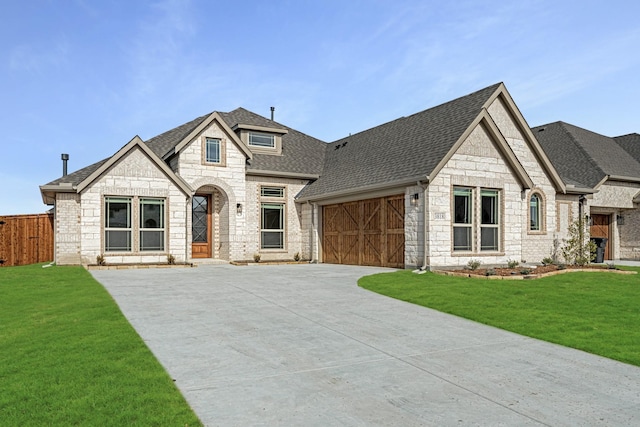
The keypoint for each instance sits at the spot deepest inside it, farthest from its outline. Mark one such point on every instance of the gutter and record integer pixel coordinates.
(623, 178)
(48, 191)
(257, 172)
(366, 188)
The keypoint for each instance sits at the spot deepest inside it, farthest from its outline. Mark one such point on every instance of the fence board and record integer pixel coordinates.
(26, 239)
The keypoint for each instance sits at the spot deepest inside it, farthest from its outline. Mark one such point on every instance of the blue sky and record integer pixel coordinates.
(84, 77)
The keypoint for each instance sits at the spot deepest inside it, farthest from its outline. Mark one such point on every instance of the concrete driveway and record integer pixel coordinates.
(303, 345)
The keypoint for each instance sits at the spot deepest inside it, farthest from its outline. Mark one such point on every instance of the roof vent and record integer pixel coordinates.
(337, 146)
(272, 111)
(541, 129)
(344, 144)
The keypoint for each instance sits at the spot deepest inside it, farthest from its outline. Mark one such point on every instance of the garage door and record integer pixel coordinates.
(365, 232)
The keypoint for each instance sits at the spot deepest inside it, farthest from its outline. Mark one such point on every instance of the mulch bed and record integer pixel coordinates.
(528, 272)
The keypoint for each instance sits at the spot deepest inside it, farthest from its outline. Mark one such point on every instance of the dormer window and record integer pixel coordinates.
(262, 140)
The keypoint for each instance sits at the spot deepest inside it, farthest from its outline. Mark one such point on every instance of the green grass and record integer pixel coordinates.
(595, 312)
(69, 357)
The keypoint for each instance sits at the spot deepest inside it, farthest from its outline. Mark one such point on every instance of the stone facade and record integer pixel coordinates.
(297, 219)
(136, 177)
(615, 198)
(68, 238)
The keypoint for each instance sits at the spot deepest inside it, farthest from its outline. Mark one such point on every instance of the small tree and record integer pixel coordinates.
(578, 249)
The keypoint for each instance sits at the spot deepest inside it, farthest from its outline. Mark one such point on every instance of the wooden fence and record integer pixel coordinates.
(26, 239)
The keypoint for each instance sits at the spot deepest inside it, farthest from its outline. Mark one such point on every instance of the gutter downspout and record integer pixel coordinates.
(311, 233)
(425, 258)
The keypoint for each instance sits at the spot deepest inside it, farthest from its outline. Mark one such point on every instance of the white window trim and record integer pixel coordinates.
(542, 207)
(476, 222)
(134, 226)
(273, 200)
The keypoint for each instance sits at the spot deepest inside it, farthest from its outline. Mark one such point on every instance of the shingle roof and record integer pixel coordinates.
(402, 149)
(630, 143)
(80, 175)
(301, 153)
(583, 158)
(166, 141)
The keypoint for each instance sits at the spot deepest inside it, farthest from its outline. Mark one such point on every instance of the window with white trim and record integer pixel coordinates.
(152, 225)
(489, 220)
(462, 219)
(134, 224)
(535, 212)
(117, 224)
(272, 217)
(263, 140)
(213, 150)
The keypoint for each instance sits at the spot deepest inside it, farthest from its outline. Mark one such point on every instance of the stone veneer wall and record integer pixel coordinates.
(536, 245)
(135, 176)
(228, 179)
(616, 199)
(477, 164)
(67, 229)
(414, 228)
(298, 227)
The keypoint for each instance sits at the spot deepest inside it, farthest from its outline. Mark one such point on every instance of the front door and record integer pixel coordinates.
(201, 226)
(600, 225)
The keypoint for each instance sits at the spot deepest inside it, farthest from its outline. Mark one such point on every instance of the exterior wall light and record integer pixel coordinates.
(414, 199)
(239, 208)
(620, 219)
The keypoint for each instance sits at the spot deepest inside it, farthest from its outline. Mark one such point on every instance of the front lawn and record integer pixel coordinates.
(69, 357)
(595, 312)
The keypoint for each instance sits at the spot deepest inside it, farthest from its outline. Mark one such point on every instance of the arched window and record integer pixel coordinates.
(535, 212)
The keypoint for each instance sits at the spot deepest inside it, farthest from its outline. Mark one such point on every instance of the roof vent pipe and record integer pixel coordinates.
(272, 110)
(65, 158)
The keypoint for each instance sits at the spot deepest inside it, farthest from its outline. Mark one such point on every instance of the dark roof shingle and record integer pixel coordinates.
(584, 158)
(402, 149)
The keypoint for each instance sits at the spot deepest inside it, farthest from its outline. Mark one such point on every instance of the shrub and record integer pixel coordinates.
(611, 266)
(473, 264)
(578, 249)
(525, 271)
(256, 257)
(296, 257)
(511, 263)
(561, 266)
(100, 260)
(171, 260)
(490, 272)
(548, 261)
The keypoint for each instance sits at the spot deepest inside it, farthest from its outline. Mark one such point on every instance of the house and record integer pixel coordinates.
(468, 179)
(606, 171)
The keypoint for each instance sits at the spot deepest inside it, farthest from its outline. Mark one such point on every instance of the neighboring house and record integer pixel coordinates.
(607, 172)
(464, 180)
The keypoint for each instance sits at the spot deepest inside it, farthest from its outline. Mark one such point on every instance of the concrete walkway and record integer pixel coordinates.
(303, 345)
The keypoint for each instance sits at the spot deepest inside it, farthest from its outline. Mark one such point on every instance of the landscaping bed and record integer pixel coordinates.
(530, 272)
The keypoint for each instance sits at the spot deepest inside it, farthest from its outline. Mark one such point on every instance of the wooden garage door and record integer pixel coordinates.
(366, 232)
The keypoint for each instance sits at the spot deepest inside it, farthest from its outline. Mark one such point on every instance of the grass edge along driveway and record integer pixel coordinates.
(595, 312)
(69, 357)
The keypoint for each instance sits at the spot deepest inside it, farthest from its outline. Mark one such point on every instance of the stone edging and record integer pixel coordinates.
(135, 266)
(531, 276)
(245, 263)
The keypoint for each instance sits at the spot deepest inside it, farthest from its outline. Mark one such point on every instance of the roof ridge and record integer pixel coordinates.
(443, 105)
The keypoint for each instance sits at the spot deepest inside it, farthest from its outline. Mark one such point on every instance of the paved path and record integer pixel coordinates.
(303, 345)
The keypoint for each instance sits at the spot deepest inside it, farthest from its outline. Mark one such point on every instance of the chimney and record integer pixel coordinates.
(272, 110)
(65, 158)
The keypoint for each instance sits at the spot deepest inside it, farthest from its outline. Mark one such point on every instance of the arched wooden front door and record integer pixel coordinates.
(201, 226)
